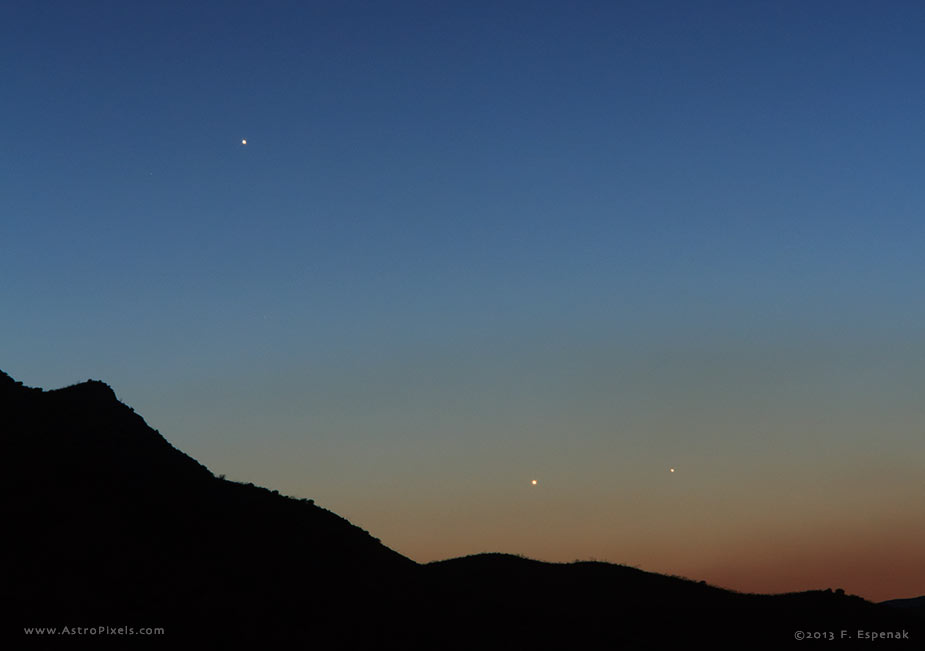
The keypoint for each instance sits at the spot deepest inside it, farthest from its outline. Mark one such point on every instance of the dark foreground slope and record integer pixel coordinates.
(607, 606)
(107, 525)
(913, 605)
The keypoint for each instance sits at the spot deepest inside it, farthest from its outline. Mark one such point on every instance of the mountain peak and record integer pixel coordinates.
(91, 389)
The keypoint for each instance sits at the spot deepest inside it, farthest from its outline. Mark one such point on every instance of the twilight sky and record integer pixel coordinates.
(471, 244)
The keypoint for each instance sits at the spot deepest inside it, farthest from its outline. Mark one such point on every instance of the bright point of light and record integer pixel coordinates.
(671, 469)
(534, 481)
(244, 142)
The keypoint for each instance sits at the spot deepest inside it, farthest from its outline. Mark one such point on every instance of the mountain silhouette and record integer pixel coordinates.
(108, 525)
(915, 604)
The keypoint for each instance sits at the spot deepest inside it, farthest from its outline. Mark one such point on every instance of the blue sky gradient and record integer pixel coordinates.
(469, 244)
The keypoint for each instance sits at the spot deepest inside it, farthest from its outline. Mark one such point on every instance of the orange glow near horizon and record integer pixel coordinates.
(755, 539)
